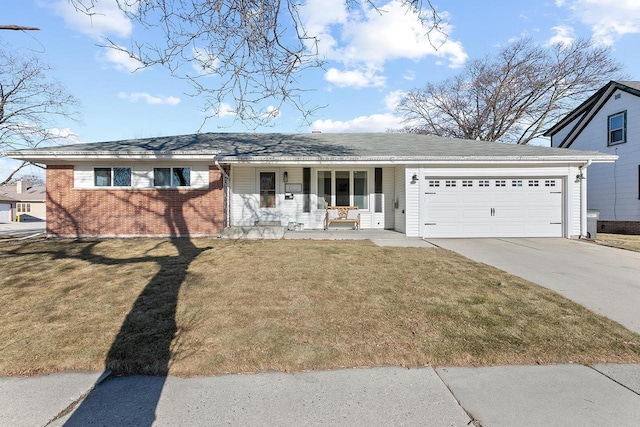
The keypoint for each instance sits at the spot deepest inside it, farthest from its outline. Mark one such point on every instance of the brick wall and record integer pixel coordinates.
(619, 227)
(134, 212)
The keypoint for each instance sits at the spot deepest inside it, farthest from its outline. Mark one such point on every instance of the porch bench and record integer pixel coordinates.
(342, 214)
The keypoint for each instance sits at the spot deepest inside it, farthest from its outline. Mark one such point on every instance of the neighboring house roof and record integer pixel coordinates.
(28, 194)
(248, 147)
(590, 108)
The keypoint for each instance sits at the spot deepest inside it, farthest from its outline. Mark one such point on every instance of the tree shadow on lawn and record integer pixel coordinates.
(143, 343)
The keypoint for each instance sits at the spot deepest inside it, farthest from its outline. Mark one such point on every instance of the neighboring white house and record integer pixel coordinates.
(609, 122)
(420, 185)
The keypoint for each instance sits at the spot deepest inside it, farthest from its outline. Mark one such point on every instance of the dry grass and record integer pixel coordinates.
(204, 307)
(621, 241)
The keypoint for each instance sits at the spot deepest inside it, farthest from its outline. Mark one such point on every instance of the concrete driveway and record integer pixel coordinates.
(605, 280)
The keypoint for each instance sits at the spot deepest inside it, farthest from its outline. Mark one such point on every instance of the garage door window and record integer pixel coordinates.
(501, 183)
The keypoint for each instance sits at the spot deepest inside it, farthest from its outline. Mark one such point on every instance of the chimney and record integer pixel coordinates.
(18, 187)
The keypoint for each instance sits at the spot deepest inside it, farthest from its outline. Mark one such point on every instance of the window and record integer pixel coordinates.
(377, 183)
(108, 177)
(516, 183)
(501, 183)
(449, 183)
(467, 183)
(549, 182)
(267, 190)
(483, 183)
(434, 183)
(324, 189)
(360, 193)
(534, 183)
(617, 128)
(23, 207)
(344, 188)
(171, 177)
(306, 189)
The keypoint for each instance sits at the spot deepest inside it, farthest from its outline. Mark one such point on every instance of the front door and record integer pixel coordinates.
(267, 190)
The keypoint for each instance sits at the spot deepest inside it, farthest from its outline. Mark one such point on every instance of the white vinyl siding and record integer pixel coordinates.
(412, 201)
(612, 188)
(557, 139)
(388, 193)
(399, 213)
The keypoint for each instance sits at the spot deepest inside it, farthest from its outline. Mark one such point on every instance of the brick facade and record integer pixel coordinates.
(132, 212)
(619, 227)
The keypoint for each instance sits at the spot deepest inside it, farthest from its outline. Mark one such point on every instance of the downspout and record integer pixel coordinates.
(583, 198)
(226, 190)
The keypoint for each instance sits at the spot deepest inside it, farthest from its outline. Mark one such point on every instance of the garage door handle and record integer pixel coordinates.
(429, 223)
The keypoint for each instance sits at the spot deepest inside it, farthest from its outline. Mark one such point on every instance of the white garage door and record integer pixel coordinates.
(504, 207)
(5, 212)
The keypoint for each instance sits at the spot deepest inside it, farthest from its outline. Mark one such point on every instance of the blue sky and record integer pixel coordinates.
(371, 59)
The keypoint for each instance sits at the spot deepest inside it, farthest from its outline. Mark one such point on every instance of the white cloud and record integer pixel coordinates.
(395, 33)
(205, 61)
(373, 123)
(392, 99)
(364, 39)
(223, 110)
(409, 75)
(65, 135)
(105, 19)
(564, 35)
(120, 60)
(150, 99)
(609, 19)
(354, 78)
(272, 112)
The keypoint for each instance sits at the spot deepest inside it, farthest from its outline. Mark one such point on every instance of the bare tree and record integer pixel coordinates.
(30, 102)
(256, 49)
(512, 96)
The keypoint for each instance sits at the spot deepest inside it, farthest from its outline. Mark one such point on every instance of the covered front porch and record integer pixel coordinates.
(299, 195)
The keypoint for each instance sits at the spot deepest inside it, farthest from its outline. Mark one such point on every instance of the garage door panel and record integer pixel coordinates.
(509, 198)
(5, 212)
(476, 198)
(475, 213)
(476, 230)
(510, 213)
(507, 207)
(443, 198)
(442, 213)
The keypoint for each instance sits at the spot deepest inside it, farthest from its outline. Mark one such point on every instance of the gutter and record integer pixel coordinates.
(583, 198)
(226, 188)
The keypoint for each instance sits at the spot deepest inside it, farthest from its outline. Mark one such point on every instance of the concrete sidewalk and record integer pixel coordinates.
(555, 395)
(22, 228)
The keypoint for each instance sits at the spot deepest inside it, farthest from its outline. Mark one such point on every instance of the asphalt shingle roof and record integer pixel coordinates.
(315, 145)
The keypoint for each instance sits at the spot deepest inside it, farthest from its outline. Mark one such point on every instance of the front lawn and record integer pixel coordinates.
(205, 306)
(621, 241)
